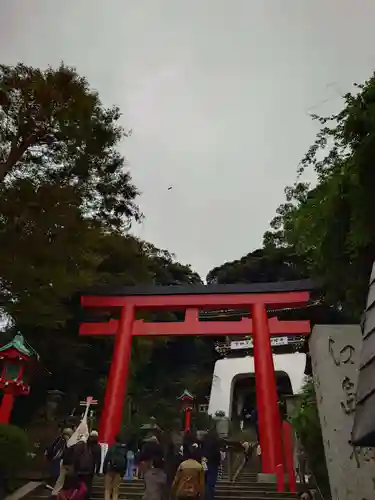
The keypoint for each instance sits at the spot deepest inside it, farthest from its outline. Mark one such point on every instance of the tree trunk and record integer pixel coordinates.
(15, 155)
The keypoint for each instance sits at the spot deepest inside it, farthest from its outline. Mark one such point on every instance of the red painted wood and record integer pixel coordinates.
(111, 417)
(206, 301)
(259, 326)
(244, 327)
(266, 394)
(280, 478)
(187, 420)
(6, 407)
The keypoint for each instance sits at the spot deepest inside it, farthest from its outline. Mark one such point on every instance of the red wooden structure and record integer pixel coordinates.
(187, 399)
(124, 303)
(18, 362)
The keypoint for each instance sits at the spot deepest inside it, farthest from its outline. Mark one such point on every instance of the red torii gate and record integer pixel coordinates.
(256, 297)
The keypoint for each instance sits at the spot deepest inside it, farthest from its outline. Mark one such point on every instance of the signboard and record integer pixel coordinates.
(249, 344)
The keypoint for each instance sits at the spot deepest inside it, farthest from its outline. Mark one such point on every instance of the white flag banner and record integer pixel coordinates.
(82, 431)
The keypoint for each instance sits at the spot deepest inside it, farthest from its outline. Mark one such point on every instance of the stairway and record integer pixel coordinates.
(245, 487)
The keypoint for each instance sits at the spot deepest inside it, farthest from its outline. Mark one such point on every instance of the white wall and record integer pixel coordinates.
(226, 369)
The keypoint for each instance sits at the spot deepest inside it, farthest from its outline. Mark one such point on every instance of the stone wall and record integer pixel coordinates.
(364, 421)
(335, 353)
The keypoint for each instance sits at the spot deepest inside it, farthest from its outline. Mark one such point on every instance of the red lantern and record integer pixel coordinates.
(18, 361)
(187, 399)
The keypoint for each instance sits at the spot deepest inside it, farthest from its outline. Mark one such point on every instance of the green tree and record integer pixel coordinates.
(54, 129)
(331, 225)
(47, 251)
(66, 202)
(262, 265)
(306, 423)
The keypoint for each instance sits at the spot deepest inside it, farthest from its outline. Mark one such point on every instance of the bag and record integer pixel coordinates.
(68, 456)
(189, 486)
(85, 462)
(118, 461)
(56, 450)
(73, 494)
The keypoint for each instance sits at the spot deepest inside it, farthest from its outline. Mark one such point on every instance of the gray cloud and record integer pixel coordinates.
(217, 94)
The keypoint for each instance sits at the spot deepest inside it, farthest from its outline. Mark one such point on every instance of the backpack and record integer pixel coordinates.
(73, 494)
(118, 460)
(85, 460)
(189, 485)
(56, 449)
(73, 488)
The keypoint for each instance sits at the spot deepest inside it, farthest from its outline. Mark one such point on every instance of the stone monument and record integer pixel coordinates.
(335, 353)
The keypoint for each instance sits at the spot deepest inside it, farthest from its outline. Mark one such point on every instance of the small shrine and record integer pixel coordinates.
(18, 363)
(186, 399)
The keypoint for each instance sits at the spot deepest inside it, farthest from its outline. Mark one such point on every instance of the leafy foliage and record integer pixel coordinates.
(273, 264)
(66, 202)
(332, 225)
(54, 130)
(14, 446)
(306, 423)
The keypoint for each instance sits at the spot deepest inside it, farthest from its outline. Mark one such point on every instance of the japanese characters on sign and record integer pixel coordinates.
(342, 357)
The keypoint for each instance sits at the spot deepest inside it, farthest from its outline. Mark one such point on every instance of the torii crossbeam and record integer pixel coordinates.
(125, 302)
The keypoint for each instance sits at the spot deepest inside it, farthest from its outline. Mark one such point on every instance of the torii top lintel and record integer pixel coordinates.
(194, 298)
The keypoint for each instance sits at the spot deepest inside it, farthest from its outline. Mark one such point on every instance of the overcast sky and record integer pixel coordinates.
(217, 92)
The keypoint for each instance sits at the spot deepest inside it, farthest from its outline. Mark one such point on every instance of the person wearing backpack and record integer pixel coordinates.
(114, 468)
(132, 448)
(189, 482)
(87, 460)
(212, 455)
(54, 454)
(155, 481)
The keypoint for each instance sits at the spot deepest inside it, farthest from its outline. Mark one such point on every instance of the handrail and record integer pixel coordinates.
(310, 472)
(239, 469)
(317, 485)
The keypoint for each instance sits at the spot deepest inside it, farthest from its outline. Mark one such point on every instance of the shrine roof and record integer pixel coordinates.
(186, 395)
(20, 344)
(276, 287)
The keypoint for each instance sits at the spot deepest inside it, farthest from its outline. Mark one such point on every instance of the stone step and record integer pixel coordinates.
(122, 496)
(219, 492)
(229, 486)
(220, 487)
(259, 493)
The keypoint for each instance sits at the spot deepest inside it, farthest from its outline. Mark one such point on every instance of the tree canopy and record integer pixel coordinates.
(55, 130)
(262, 265)
(67, 202)
(331, 225)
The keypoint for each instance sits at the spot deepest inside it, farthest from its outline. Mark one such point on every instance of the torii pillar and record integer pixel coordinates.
(256, 298)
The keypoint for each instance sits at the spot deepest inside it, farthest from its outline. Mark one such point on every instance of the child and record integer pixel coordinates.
(73, 489)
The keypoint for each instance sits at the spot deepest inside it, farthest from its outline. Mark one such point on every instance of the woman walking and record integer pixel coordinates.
(212, 456)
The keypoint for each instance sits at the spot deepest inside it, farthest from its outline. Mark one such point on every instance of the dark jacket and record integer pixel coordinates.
(211, 451)
(155, 485)
(132, 445)
(151, 451)
(72, 455)
(109, 456)
(96, 453)
(56, 449)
